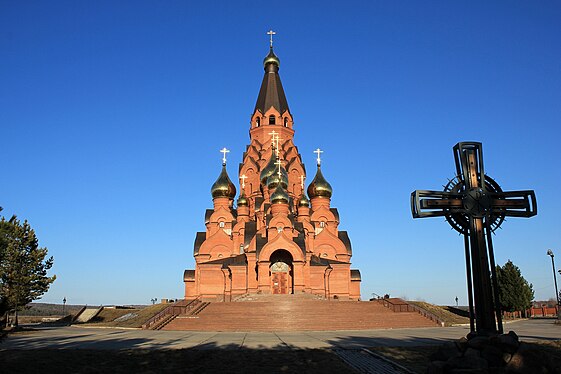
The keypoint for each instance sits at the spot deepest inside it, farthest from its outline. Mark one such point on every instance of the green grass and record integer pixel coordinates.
(443, 313)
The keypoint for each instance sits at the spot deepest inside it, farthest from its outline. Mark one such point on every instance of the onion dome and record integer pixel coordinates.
(303, 201)
(223, 187)
(275, 179)
(242, 200)
(271, 58)
(280, 196)
(319, 186)
(269, 169)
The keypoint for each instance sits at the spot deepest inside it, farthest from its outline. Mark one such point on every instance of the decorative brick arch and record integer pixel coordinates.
(281, 242)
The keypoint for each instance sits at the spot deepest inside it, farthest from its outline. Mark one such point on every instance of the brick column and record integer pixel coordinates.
(251, 273)
(227, 285)
(298, 271)
(264, 282)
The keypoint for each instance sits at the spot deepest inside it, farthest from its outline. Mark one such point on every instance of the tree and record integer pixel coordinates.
(515, 293)
(23, 267)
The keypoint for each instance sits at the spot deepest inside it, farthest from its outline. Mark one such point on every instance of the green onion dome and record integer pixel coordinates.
(280, 196)
(271, 58)
(319, 186)
(303, 201)
(275, 179)
(242, 200)
(223, 187)
(269, 169)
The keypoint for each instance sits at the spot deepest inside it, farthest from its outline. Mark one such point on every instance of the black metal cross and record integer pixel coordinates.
(475, 206)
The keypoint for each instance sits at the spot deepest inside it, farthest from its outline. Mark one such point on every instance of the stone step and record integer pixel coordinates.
(297, 314)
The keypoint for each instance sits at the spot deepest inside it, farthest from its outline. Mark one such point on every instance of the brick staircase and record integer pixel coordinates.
(295, 313)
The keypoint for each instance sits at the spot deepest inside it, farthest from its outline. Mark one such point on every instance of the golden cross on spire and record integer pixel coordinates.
(271, 33)
(318, 151)
(243, 177)
(224, 151)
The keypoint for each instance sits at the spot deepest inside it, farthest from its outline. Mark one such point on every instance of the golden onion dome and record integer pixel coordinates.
(280, 196)
(319, 186)
(271, 58)
(303, 201)
(223, 187)
(242, 199)
(269, 169)
(275, 179)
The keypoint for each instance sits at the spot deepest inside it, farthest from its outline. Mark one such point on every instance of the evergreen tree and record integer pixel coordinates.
(23, 267)
(515, 293)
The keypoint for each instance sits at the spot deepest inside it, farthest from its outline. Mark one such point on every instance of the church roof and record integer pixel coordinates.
(239, 260)
(199, 239)
(189, 275)
(355, 274)
(271, 93)
(344, 236)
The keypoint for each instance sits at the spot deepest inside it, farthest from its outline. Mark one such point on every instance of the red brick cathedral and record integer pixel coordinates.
(274, 239)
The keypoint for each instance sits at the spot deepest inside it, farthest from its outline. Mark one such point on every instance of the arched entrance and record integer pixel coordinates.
(281, 272)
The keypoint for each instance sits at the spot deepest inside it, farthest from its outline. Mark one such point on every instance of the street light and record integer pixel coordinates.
(550, 253)
(63, 305)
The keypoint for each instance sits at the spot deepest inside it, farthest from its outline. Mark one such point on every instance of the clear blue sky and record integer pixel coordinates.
(112, 115)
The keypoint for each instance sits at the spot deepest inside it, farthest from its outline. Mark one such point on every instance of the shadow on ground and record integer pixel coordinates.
(117, 353)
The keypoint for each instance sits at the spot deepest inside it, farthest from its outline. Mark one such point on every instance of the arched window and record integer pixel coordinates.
(257, 122)
(221, 224)
(271, 120)
(285, 122)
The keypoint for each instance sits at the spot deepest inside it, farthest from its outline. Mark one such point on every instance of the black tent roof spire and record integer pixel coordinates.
(271, 93)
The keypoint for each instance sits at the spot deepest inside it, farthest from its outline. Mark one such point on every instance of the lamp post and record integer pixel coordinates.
(63, 305)
(550, 253)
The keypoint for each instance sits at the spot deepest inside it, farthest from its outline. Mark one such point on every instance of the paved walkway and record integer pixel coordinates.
(103, 338)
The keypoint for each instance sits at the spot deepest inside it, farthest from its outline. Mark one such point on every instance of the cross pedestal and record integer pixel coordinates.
(475, 206)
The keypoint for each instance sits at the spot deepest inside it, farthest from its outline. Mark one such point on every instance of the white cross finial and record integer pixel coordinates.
(243, 177)
(279, 163)
(302, 179)
(275, 139)
(273, 136)
(271, 33)
(318, 151)
(224, 151)
(278, 140)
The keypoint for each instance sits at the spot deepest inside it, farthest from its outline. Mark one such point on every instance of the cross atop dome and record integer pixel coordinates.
(224, 151)
(271, 33)
(318, 152)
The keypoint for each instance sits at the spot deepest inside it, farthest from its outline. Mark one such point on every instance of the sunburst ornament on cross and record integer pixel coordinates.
(475, 205)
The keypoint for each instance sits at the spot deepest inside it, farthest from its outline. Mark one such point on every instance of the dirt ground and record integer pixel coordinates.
(416, 358)
(172, 361)
(138, 316)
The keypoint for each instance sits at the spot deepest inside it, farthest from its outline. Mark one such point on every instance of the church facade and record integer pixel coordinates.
(277, 237)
